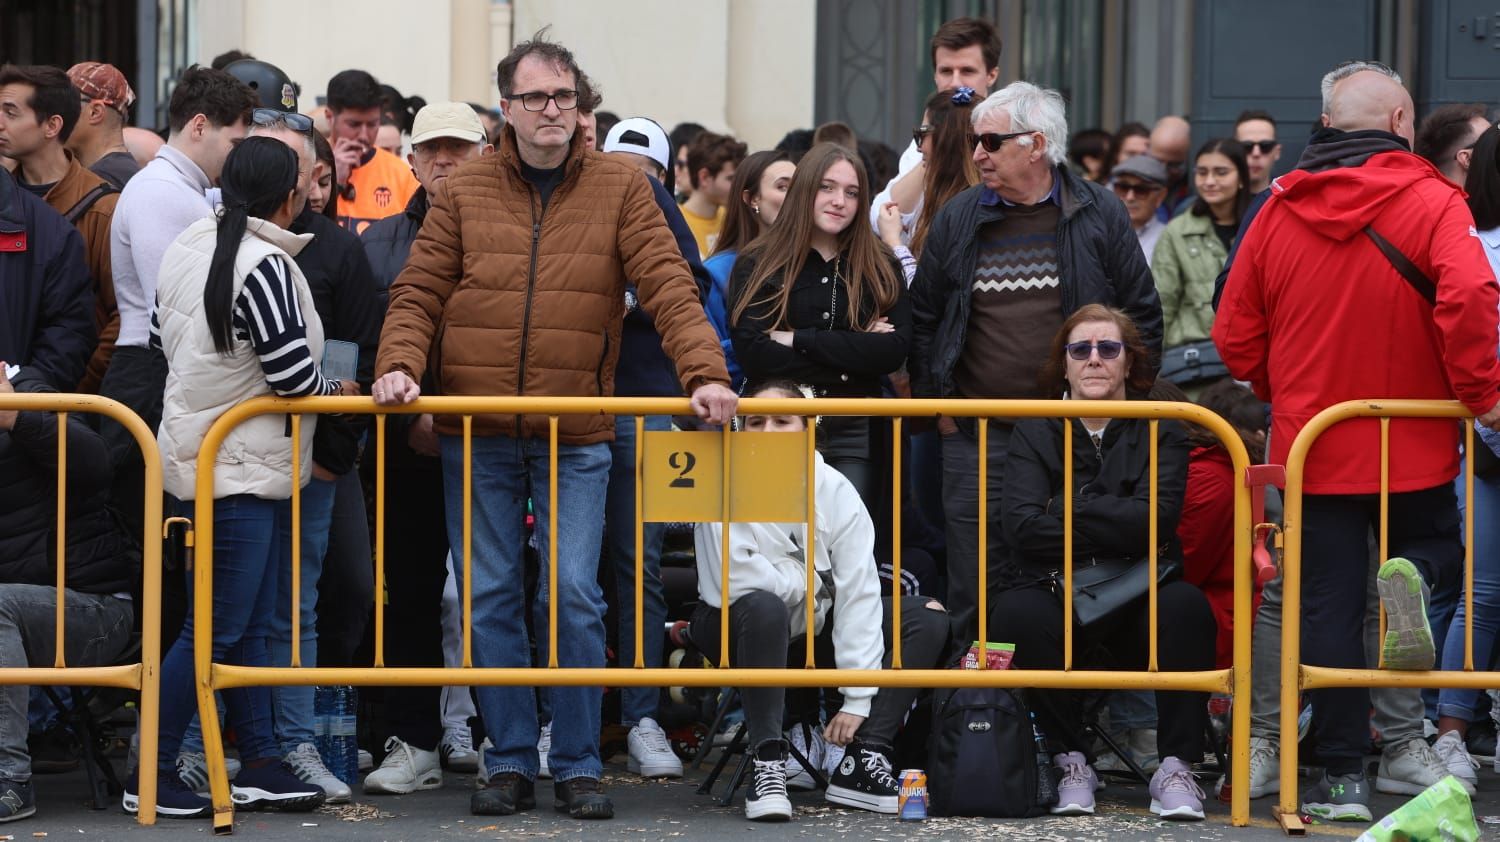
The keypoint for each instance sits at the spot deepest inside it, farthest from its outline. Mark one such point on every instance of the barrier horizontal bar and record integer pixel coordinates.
(1318, 678)
(227, 676)
(905, 407)
(124, 675)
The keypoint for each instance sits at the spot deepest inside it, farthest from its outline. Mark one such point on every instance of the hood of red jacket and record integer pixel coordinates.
(1339, 203)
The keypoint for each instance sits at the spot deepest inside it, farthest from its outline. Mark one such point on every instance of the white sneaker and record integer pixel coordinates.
(456, 751)
(404, 769)
(1409, 767)
(366, 761)
(651, 756)
(1451, 750)
(307, 765)
(833, 755)
(543, 748)
(807, 739)
(193, 769)
(1265, 769)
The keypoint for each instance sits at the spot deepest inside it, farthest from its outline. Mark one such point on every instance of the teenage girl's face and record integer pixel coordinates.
(773, 184)
(837, 200)
(322, 187)
(1216, 179)
(926, 147)
(774, 423)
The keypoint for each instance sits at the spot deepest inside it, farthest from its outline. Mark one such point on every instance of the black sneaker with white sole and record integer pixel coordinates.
(174, 799)
(274, 787)
(766, 800)
(863, 779)
(17, 800)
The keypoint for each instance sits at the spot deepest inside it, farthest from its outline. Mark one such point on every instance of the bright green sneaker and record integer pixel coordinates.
(1408, 638)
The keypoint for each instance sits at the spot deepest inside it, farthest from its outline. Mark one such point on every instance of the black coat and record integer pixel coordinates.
(1111, 493)
(1099, 261)
(344, 294)
(46, 291)
(826, 352)
(387, 243)
(99, 559)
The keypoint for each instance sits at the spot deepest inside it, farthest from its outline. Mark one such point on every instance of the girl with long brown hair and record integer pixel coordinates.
(819, 300)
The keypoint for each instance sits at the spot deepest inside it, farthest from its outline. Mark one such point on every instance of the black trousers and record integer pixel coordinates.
(1424, 528)
(416, 542)
(760, 636)
(1031, 617)
(347, 587)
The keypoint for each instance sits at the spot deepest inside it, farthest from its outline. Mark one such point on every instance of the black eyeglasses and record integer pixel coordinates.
(268, 117)
(1265, 147)
(1108, 349)
(566, 100)
(920, 133)
(992, 141)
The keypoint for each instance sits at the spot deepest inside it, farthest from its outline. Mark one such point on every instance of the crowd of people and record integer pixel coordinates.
(387, 246)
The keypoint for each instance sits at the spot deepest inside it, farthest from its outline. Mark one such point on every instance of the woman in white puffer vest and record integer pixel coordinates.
(236, 321)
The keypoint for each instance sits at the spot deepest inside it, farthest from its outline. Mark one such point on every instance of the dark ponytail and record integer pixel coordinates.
(258, 175)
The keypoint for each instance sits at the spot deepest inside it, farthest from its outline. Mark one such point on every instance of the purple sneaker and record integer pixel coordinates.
(1075, 792)
(1174, 792)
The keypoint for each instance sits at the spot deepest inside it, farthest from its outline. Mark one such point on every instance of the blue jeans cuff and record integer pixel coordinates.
(596, 772)
(495, 771)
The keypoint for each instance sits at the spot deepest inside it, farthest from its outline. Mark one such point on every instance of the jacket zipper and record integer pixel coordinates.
(536, 239)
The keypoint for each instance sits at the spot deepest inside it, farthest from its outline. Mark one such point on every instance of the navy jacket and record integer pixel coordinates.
(644, 370)
(46, 293)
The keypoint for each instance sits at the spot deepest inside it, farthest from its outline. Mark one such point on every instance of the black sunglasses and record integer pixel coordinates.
(291, 119)
(1265, 147)
(1139, 188)
(920, 133)
(992, 141)
(1108, 349)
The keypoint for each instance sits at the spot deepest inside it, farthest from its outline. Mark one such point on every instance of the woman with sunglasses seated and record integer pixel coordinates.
(852, 629)
(1098, 355)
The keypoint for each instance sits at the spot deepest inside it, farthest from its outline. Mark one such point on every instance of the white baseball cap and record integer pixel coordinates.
(642, 136)
(447, 119)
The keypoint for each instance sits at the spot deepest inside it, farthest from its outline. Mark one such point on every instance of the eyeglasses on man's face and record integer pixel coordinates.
(565, 100)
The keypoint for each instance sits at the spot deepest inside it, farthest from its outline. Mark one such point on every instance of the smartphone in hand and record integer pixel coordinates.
(340, 360)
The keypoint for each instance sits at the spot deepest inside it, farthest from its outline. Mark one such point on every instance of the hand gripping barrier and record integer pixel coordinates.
(1297, 676)
(725, 502)
(144, 676)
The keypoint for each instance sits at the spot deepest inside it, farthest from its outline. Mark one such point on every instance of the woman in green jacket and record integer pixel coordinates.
(1194, 246)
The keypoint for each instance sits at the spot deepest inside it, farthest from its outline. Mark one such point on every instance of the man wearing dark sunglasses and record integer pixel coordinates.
(1004, 264)
(1141, 183)
(1256, 130)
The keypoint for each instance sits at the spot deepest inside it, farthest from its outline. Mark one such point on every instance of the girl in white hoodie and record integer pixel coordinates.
(767, 628)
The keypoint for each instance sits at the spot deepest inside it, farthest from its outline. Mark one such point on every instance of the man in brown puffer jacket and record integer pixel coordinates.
(516, 286)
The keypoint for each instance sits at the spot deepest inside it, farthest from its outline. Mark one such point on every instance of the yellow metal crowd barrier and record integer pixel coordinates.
(144, 676)
(1296, 676)
(664, 493)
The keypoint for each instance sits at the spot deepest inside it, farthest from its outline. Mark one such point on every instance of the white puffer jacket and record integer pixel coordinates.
(256, 457)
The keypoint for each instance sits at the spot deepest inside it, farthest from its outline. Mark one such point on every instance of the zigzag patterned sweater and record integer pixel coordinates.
(1016, 305)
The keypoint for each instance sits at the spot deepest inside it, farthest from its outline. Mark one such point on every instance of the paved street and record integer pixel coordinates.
(661, 810)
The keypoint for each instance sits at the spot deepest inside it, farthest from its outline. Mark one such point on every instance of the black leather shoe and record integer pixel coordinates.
(507, 793)
(582, 798)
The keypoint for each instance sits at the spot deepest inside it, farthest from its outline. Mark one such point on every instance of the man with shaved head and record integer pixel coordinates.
(1362, 278)
(1169, 142)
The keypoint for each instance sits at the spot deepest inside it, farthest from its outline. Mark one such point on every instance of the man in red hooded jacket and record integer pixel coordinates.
(1313, 314)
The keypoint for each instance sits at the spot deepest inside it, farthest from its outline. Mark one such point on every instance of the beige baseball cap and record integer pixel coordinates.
(447, 119)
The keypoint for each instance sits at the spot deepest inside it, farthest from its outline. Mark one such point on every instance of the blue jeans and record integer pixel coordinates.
(294, 705)
(501, 470)
(1465, 703)
(636, 703)
(252, 538)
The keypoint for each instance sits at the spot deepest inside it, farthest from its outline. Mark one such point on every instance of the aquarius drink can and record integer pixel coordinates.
(911, 805)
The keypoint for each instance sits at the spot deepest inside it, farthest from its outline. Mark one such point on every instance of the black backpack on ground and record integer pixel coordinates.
(982, 759)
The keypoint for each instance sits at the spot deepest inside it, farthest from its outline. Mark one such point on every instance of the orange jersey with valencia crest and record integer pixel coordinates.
(382, 187)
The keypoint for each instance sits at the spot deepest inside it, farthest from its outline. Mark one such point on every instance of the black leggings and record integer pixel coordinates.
(760, 636)
(1031, 617)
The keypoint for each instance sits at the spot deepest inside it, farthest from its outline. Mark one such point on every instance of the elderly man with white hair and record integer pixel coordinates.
(1006, 261)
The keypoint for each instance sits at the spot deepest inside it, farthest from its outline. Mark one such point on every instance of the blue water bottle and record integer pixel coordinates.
(322, 712)
(343, 755)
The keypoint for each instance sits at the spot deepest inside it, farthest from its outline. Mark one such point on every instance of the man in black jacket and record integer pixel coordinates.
(344, 296)
(101, 568)
(445, 136)
(1006, 262)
